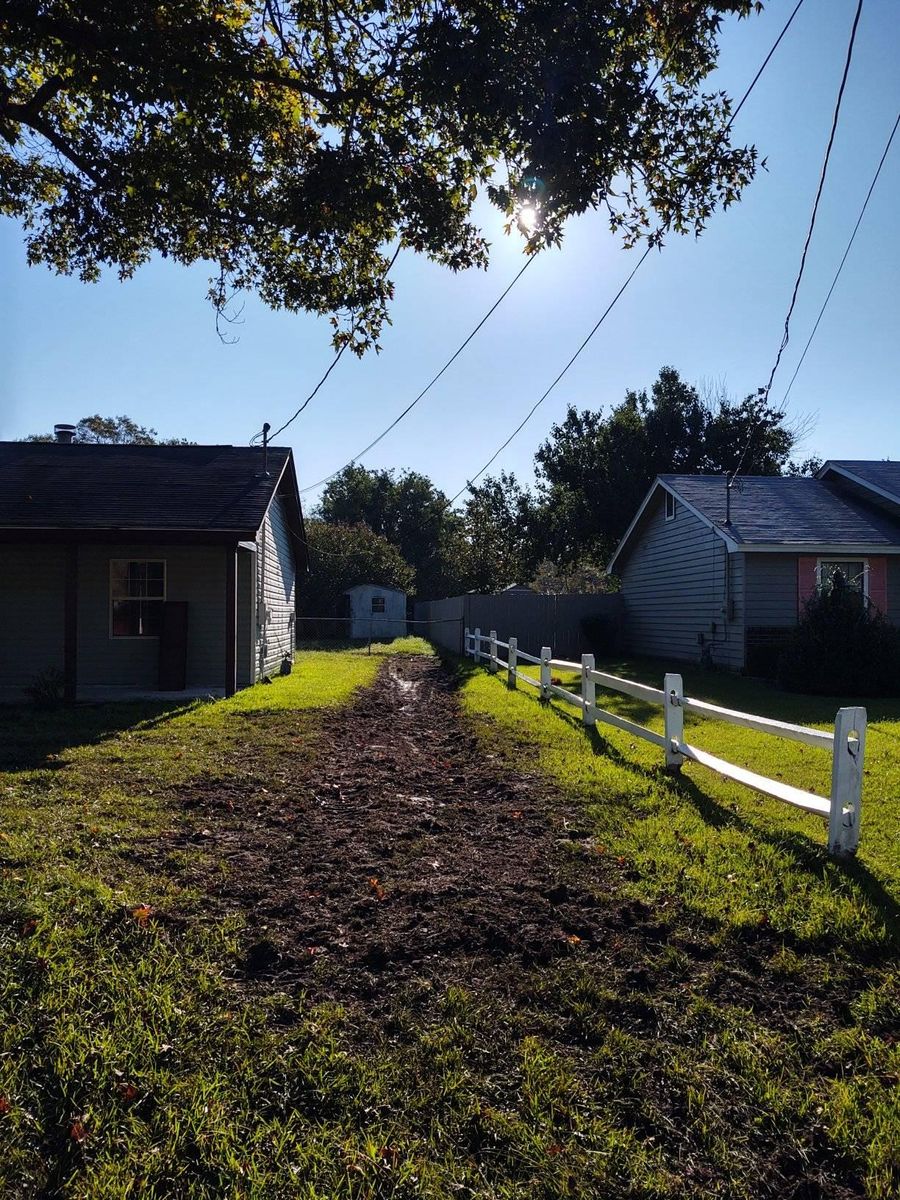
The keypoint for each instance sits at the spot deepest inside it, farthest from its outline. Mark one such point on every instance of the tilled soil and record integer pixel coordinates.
(400, 846)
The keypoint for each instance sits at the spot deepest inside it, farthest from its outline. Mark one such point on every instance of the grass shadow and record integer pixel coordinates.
(32, 738)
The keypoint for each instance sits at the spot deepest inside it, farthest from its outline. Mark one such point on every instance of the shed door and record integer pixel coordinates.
(173, 646)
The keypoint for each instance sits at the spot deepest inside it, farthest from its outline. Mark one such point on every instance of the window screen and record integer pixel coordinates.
(378, 604)
(137, 588)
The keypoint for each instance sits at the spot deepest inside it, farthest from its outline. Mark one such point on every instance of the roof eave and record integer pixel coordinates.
(729, 539)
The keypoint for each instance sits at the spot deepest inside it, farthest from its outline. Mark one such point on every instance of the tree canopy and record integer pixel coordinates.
(341, 556)
(289, 144)
(113, 431)
(409, 511)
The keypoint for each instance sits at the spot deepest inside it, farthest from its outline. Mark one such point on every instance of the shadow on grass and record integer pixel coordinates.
(30, 738)
(806, 854)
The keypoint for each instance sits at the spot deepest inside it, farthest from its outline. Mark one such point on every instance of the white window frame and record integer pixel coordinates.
(672, 503)
(134, 637)
(841, 558)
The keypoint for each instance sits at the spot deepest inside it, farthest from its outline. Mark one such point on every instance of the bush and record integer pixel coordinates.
(47, 689)
(841, 647)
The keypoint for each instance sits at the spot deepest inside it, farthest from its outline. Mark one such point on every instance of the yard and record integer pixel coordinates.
(427, 938)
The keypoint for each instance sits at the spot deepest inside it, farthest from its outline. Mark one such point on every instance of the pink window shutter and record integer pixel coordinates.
(878, 584)
(806, 581)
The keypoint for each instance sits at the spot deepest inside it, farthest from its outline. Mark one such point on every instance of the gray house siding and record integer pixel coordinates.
(32, 586)
(771, 590)
(674, 589)
(893, 589)
(246, 618)
(276, 582)
(193, 573)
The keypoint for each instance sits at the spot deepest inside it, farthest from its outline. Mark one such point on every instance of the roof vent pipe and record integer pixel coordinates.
(265, 432)
(64, 434)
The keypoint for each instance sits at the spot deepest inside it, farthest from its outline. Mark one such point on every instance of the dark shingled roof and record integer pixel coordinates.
(883, 475)
(771, 509)
(215, 489)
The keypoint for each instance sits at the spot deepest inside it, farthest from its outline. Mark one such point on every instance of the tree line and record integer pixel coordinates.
(591, 474)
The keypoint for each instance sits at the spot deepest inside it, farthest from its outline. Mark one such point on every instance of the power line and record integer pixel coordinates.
(312, 487)
(333, 364)
(634, 271)
(837, 274)
(812, 223)
(452, 359)
(538, 403)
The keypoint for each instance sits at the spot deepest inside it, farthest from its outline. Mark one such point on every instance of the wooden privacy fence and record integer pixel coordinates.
(846, 744)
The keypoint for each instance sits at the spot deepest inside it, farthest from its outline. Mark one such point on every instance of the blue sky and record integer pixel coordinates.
(713, 308)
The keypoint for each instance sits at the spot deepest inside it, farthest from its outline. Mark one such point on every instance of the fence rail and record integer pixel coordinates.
(846, 743)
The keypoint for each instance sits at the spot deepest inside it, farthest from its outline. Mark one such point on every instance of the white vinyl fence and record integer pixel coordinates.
(846, 744)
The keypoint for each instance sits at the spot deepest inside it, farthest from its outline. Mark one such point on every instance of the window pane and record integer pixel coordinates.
(118, 576)
(125, 618)
(852, 572)
(378, 604)
(156, 579)
(151, 618)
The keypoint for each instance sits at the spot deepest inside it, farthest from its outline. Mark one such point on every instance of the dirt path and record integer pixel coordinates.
(403, 849)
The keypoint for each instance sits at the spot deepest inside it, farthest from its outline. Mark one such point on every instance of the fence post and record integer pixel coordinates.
(674, 718)
(513, 652)
(493, 665)
(588, 690)
(477, 650)
(466, 641)
(846, 780)
(546, 655)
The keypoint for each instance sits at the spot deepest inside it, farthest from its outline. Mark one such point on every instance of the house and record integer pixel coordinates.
(721, 574)
(376, 611)
(133, 569)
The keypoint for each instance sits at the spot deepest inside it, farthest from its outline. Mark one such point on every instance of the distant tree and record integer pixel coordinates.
(497, 547)
(120, 431)
(410, 512)
(341, 556)
(586, 577)
(806, 466)
(594, 469)
(287, 143)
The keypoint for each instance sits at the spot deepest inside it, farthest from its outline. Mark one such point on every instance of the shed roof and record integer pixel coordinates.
(775, 512)
(380, 587)
(210, 489)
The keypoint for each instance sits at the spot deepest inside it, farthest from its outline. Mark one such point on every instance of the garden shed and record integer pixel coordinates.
(376, 611)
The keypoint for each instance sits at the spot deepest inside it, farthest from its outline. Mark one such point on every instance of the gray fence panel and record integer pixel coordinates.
(533, 619)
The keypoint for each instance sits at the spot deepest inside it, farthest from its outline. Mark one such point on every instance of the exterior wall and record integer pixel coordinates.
(246, 618)
(364, 623)
(674, 588)
(193, 573)
(32, 599)
(893, 589)
(276, 593)
(772, 591)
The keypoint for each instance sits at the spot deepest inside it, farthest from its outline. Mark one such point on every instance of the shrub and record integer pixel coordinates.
(47, 689)
(841, 646)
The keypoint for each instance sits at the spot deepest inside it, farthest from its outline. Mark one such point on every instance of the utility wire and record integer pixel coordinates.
(812, 222)
(452, 359)
(621, 290)
(539, 402)
(333, 364)
(312, 487)
(764, 392)
(837, 274)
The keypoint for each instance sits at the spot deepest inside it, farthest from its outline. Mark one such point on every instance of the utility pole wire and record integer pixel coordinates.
(452, 359)
(837, 274)
(812, 222)
(634, 271)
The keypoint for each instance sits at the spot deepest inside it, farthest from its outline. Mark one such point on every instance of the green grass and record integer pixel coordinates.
(711, 849)
(132, 1065)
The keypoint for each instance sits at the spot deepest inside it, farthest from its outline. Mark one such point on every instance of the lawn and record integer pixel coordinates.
(748, 866)
(750, 1051)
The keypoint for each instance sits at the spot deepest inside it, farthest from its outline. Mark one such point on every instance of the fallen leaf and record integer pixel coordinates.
(127, 1091)
(142, 913)
(516, 815)
(29, 927)
(5, 1105)
(77, 1131)
(573, 939)
(376, 887)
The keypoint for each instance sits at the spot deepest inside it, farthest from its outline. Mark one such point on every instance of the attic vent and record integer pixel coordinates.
(64, 433)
